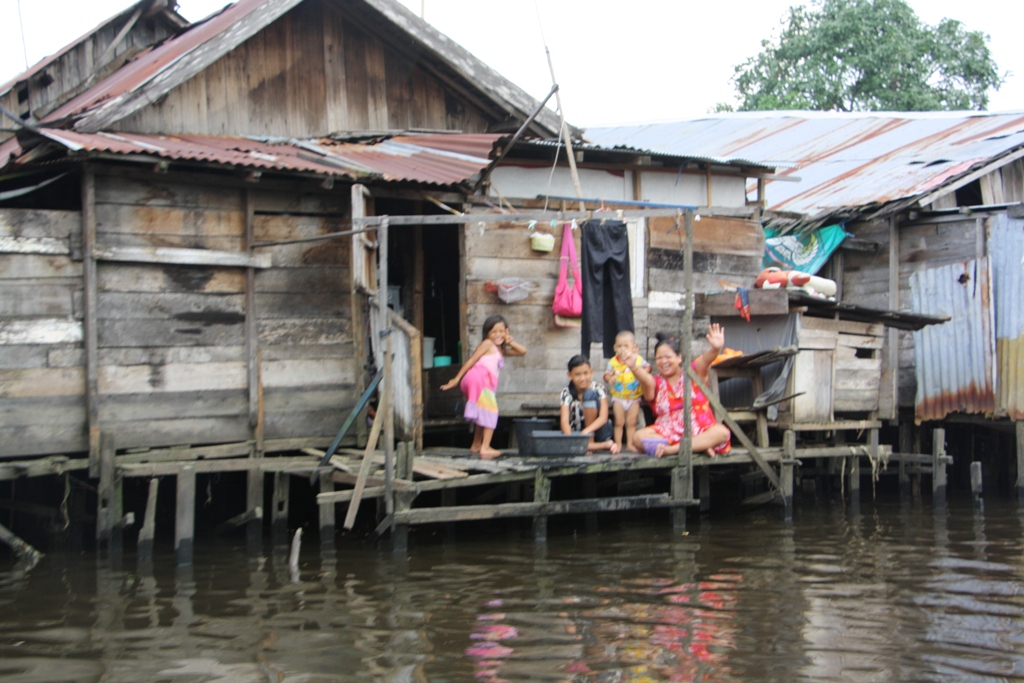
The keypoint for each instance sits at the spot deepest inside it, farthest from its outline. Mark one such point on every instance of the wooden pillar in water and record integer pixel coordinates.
(682, 474)
(939, 467)
(976, 484)
(327, 513)
(906, 446)
(279, 515)
(108, 507)
(185, 515)
(403, 501)
(148, 530)
(541, 494)
(786, 472)
(704, 488)
(253, 500)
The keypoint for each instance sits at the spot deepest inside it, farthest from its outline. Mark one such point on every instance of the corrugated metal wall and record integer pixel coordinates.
(956, 361)
(1006, 252)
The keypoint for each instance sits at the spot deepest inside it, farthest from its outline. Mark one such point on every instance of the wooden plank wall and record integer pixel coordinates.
(42, 378)
(172, 348)
(730, 249)
(69, 74)
(724, 249)
(308, 74)
(303, 309)
(923, 245)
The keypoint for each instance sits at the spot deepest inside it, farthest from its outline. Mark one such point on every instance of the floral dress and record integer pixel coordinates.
(668, 411)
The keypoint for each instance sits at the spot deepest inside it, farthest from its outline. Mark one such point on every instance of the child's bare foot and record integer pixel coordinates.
(489, 454)
(711, 452)
(632, 449)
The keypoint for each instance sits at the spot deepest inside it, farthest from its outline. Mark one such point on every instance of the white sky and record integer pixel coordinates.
(617, 62)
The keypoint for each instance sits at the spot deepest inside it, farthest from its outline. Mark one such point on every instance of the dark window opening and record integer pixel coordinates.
(969, 194)
(23, 94)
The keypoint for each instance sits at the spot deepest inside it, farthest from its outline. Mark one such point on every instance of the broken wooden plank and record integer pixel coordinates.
(364, 470)
(181, 256)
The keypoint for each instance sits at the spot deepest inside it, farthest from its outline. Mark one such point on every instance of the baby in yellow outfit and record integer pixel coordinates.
(625, 388)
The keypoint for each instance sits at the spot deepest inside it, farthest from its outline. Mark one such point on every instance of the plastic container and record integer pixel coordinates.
(525, 429)
(541, 241)
(651, 445)
(428, 352)
(442, 361)
(556, 443)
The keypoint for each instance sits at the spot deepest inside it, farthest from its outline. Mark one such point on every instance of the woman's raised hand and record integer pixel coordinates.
(716, 336)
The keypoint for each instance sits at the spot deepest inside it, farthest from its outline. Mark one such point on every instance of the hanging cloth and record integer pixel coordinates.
(568, 304)
(607, 297)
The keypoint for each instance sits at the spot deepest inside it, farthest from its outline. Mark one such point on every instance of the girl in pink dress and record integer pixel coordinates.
(664, 394)
(478, 379)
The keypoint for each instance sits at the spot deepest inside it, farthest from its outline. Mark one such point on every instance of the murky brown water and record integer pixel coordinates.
(896, 592)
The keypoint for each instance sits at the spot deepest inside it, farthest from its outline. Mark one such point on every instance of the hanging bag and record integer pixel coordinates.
(568, 304)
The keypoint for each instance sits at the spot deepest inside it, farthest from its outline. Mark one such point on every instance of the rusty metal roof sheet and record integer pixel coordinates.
(955, 363)
(1006, 252)
(396, 160)
(842, 160)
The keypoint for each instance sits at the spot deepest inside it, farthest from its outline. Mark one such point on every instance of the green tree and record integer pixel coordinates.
(868, 55)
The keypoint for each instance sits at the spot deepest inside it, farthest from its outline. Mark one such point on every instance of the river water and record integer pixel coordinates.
(894, 591)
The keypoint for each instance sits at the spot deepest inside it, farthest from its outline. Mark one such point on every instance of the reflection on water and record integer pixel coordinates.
(890, 593)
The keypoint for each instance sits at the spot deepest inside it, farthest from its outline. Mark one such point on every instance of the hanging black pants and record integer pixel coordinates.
(607, 299)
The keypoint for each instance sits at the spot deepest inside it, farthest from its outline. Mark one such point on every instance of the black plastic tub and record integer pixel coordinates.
(525, 429)
(554, 443)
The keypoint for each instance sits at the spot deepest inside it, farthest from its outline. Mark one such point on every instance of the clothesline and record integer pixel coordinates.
(560, 216)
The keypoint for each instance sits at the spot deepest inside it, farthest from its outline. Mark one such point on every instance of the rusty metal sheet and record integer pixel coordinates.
(386, 160)
(955, 363)
(842, 160)
(1006, 252)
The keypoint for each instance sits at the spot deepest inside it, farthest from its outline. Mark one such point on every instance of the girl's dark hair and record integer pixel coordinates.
(666, 338)
(577, 360)
(491, 322)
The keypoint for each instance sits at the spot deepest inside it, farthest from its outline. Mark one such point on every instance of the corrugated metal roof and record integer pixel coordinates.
(842, 160)
(955, 363)
(389, 160)
(1006, 252)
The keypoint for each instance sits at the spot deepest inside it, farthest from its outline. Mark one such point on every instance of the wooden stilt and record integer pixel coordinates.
(939, 467)
(703, 488)
(906, 446)
(541, 494)
(106, 515)
(185, 516)
(976, 484)
(590, 491)
(327, 513)
(22, 549)
(403, 470)
(279, 516)
(147, 531)
(788, 459)
(254, 500)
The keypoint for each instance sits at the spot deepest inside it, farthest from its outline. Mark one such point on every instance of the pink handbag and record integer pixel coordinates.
(568, 299)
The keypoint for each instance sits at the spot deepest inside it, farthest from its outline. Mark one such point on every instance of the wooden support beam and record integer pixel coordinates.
(327, 513)
(541, 495)
(788, 461)
(474, 512)
(23, 550)
(177, 256)
(251, 333)
(106, 510)
(90, 297)
(976, 483)
(723, 415)
(239, 519)
(938, 468)
(364, 468)
(403, 501)
(681, 487)
(144, 548)
(704, 488)
(185, 516)
(254, 500)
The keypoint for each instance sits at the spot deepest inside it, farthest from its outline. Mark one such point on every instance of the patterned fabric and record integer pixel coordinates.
(575, 403)
(478, 386)
(625, 385)
(668, 410)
